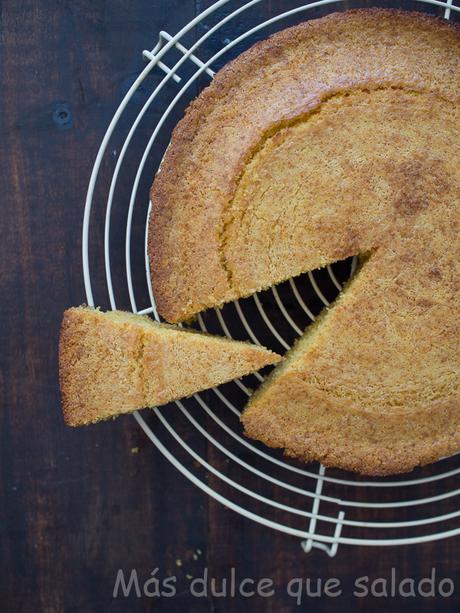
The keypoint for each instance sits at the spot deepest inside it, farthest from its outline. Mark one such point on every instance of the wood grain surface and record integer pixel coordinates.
(77, 505)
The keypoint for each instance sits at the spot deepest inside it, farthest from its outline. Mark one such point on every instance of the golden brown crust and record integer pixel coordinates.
(374, 386)
(116, 362)
(93, 354)
(364, 442)
(274, 82)
(337, 137)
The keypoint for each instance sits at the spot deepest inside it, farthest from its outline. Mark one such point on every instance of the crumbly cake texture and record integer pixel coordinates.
(116, 362)
(337, 137)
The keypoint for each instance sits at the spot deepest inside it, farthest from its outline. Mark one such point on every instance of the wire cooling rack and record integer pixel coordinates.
(202, 436)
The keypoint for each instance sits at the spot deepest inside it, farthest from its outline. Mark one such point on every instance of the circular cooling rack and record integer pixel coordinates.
(202, 436)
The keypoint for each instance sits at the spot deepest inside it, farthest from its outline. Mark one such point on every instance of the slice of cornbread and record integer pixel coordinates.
(116, 362)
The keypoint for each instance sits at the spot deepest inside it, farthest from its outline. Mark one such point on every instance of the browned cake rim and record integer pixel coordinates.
(188, 127)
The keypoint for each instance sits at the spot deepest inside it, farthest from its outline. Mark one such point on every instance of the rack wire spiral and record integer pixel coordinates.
(202, 436)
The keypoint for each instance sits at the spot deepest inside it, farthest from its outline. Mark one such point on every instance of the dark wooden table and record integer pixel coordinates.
(77, 505)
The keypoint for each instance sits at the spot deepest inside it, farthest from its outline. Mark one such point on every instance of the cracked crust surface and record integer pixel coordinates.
(337, 137)
(116, 362)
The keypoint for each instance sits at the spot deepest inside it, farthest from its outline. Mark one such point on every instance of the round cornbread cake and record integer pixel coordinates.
(338, 137)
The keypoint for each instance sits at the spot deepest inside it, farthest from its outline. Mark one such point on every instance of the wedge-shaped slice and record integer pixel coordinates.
(117, 362)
